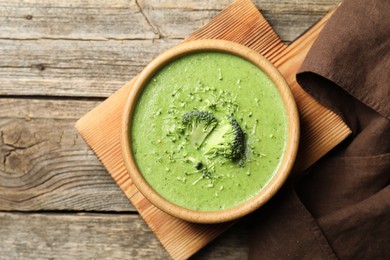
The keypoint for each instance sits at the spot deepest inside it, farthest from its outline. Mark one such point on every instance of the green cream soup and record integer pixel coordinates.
(226, 87)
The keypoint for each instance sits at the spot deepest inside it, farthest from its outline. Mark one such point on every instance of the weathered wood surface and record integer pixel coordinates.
(45, 164)
(91, 48)
(74, 53)
(98, 236)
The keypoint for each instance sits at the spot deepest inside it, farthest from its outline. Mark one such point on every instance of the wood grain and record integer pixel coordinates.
(142, 19)
(45, 164)
(98, 236)
(90, 68)
(73, 68)
(108, 42)
(242, 23)
(288, 18)
(74, 19)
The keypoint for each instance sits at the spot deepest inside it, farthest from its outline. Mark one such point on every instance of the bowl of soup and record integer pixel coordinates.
(210, 131)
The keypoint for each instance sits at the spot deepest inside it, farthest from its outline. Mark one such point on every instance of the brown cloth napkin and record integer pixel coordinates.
(340, 207)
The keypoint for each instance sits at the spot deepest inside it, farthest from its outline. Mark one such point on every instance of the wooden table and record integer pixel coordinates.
(58, 60)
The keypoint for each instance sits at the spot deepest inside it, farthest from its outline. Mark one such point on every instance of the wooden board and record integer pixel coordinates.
(70, 236)
(109, 42)
(240, 22)
(46, 165)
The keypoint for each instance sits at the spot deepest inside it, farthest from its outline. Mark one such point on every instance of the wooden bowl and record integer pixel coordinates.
(291, 144)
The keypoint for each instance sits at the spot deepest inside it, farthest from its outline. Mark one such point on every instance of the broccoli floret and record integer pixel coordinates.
(227, 140)
(198, 126)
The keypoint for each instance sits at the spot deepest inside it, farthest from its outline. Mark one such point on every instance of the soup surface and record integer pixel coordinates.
(191, 163)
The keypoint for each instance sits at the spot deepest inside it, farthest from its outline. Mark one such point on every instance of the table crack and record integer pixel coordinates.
(149, 22)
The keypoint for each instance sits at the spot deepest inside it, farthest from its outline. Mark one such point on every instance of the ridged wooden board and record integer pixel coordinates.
(241, 22)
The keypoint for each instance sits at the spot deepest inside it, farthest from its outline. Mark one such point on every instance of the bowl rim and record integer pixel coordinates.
(285, 166)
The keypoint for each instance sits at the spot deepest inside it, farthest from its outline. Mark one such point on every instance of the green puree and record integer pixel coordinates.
(221, 84)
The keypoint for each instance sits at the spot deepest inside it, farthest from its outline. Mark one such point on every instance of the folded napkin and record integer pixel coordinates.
(340, 207)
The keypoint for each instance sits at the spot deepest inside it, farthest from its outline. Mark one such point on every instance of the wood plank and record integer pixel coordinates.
(73, 19)
(142, 19)
(73, 68)
(99, 236)
(109, 42)
(36, 129)
(34, 121)
(289, 18)
(45, 164)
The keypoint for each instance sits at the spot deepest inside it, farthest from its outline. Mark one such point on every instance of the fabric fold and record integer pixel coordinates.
(352, 51)
(342, 203)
